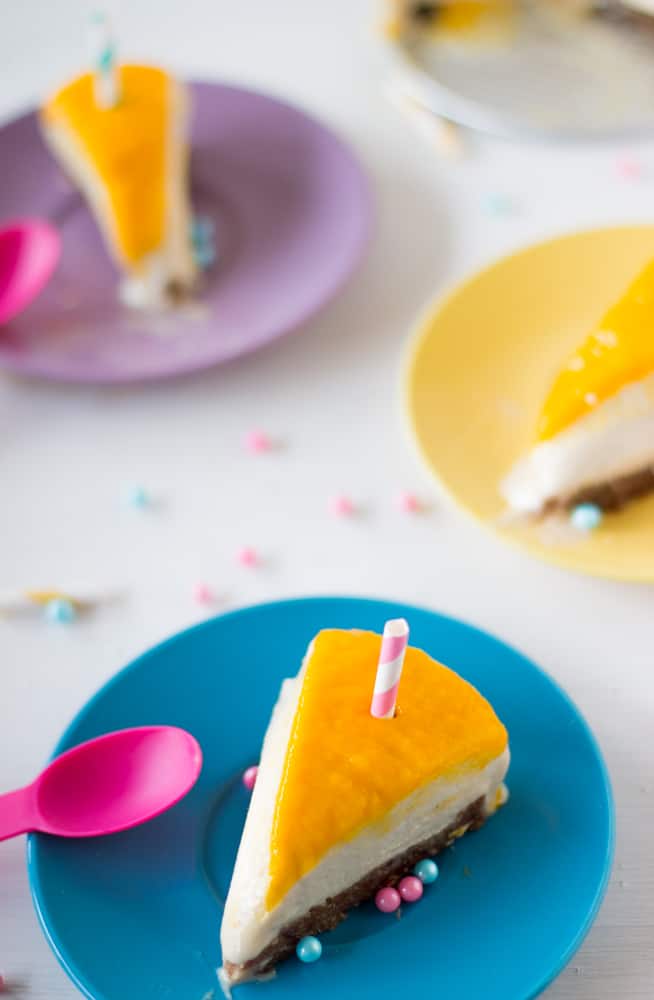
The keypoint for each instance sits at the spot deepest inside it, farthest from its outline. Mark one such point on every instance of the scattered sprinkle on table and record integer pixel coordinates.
(250, 777)
(203, 594)
(257, 442)
(308, 949)
(247, 556)
(408, 502)
(341, 505)
(497, 204)
(205, 256)
(629, 168)
(60, 611)
(203, 239)
(136, 497)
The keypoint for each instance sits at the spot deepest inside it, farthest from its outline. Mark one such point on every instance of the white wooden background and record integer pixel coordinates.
(67, 454)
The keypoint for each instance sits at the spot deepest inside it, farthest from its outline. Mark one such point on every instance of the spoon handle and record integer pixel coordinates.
(17, 813)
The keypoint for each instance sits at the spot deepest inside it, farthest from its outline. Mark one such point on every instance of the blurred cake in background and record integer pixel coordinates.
(595, 435)
(467, 19)
(482, 18)
(121, 135)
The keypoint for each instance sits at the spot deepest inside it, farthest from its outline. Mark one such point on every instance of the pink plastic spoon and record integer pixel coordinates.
(108, 784)
(29, 251)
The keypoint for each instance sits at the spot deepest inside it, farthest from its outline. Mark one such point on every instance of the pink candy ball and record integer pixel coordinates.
(408, 502)
(250, 777)
(388, 899)
(341, 505)
(247, 556)
(202, 593)
(629, 168)
(410, 889)
(257, 442)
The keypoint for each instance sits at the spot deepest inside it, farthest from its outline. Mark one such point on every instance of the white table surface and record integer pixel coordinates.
(331, 393)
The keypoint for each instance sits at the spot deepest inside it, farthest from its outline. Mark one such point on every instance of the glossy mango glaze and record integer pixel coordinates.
(618, 351)
(345, 770)
(126, 147)
(466, 16)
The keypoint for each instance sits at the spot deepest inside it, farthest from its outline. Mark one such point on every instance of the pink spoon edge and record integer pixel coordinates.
(118, 828)
(51, 235)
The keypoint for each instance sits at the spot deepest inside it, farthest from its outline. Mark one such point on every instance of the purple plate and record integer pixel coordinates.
(291, 209)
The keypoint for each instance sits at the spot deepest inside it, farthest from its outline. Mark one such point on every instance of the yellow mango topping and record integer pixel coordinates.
(345, 770)
(618, 351)
(126, 148)
(462, 16)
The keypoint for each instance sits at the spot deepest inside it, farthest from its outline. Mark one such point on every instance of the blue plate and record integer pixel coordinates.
(137, 914)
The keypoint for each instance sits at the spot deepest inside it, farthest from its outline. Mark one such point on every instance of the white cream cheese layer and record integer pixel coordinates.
(613, 440)
(247, 926)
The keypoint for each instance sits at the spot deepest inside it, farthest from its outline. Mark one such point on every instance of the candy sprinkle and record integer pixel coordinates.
(388, 899)
(308, 949)
(341, 505)
(408, 503)
(203, 594)
(250, 777)
(203, 230)
(136, 497)
(586, 517)
(497, 204)
(629, 168)
(257, 442)
(247, 557)
(426, 870)
(410, 889)
(60, 611)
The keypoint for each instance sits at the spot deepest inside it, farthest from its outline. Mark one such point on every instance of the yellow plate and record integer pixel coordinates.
(479, 367)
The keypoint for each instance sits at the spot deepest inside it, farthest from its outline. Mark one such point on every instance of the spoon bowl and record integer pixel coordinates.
(108, 784)
(29, 252)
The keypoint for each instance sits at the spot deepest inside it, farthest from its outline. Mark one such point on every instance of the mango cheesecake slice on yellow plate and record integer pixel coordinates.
(530, 390)
(595, 434)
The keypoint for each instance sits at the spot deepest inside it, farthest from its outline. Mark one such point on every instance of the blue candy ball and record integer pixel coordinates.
(308, 949)
(137, 497)
(202, 230)
(60, 611)
(496, 203)
(586, 517)
(426, 870)
(205, 255)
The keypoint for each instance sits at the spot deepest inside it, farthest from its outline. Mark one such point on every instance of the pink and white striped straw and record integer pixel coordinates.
(389, 669)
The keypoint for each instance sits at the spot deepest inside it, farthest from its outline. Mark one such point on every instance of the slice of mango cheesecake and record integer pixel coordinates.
(130, 161)
(345, 803)
(594, 440)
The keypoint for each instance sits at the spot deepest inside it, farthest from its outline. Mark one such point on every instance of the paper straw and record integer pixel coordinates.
(105, 69)
(389, 669)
